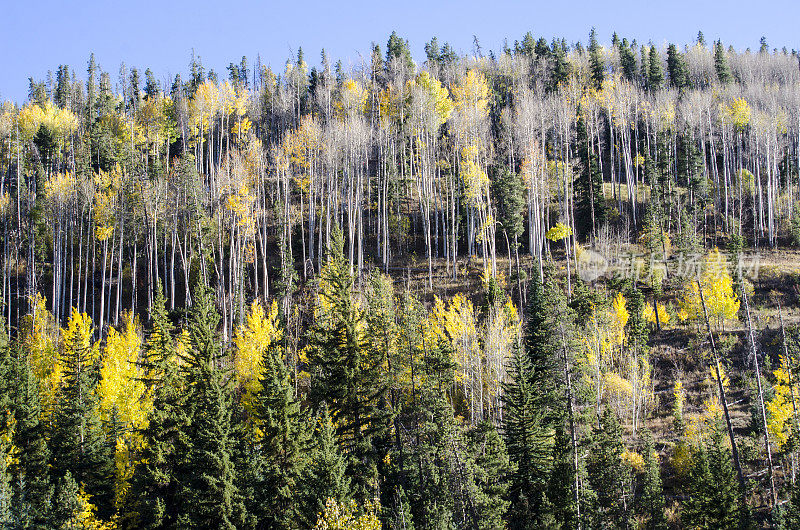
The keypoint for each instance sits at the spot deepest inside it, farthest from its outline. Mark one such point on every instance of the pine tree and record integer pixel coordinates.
(651, 500)
(491, 464)
(324, 477)
(713, 498)
(677, 69)
(607, 473)
(66, 508)
(655, 73)
(207, 495)
(627, 60)
(347, 373)
(152, 502)
(596, 65)
(283, 446)
(31, 474)
(561, 66)
(590, 204)
(528, 441)
(561, 485)
(721, 64)
(78, 443)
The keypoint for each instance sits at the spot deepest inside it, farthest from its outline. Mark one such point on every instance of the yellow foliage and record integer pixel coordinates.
(123, 395)
(650, 315)
(77, 336)
(738, 112)
(558, 232)
(61, 122)
(342, 516)
(86, 516)
(721, 302)
(476, 181)
(471, 94)
(105, 202)
(621, 314)
(39, 333)
(618, 385)
(633, 460)
(781, 409)
(260, 332)
(437, 97)
(352, 99)
(60, 188)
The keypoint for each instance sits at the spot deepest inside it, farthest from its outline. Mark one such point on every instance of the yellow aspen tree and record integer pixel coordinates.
(782, 408)
(260, 332)
(123, 396)
(343, 516)
(722, 303)
(40, 334)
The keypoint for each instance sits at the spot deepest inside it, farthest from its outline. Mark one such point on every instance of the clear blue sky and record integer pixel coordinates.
(38, 35)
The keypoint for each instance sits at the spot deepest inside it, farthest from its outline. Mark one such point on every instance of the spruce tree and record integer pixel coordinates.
(596, 65)
(33, 492)
(608, 475)
(721, 64)
(713, 497)
(627, 60)
(207, 495)
(655, 73)
(677, 69)
(324, 477)
(590, 204)
(528, 442)
(561, 494)
(152, 502)
(77, 441)
(347, 372)
(491, 468)
(283, 447)
(651, 500)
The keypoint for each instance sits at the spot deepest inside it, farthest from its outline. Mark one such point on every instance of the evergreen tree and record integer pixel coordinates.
(30, 471)
(597, 66)
(208, 497)
(78, 442)
(324, 477)
(655, 72)
(347, 371)
(651, 500)
(561, 66)
(677, 69)
(491, 464)
(713, 498)
(66, 507)
(152, 500)
(608, 475)
(561, 494)
(627, 60)
(721, 64)
(282, 448)
(528, 440)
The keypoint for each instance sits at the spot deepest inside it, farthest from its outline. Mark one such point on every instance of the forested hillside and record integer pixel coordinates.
(547, 286)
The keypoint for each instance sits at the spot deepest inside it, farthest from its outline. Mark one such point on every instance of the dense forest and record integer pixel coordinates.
(547, 286)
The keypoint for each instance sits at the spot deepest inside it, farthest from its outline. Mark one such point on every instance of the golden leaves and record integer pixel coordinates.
(352, 100)
(61, 122)
(721, 302)
(260, 332)
(471, 94)
(738, 113)
(558, 232)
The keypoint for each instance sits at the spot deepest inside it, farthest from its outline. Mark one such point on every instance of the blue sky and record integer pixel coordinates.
(37, 36)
